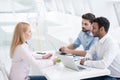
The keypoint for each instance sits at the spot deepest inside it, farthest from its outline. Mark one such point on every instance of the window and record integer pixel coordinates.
(117, 10)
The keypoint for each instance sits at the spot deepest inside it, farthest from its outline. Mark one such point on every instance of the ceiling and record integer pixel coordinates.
(17, 6)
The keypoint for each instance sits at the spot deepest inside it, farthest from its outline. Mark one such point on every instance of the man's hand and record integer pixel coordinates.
(64, 50)
(82, 61)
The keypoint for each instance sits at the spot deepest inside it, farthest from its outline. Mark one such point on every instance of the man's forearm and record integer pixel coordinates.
(71, 46)
(78, 53)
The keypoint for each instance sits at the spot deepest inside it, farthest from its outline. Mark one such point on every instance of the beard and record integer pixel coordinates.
(96, 34)
(85, 30)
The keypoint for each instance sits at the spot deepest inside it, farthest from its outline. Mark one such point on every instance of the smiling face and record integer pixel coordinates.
(28, 33)
(86, 25)
(95, 30)
(100, 27)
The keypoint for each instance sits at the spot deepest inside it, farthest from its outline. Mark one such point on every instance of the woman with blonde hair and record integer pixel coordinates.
(22, 57)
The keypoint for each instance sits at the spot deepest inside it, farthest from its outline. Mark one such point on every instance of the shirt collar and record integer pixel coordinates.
(89, 33)
(26, 44)
(103, 38)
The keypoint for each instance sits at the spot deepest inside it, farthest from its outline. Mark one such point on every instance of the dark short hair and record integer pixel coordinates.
(89, 16)
(102, 22)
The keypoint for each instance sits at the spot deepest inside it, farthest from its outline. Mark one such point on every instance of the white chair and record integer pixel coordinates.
(3, 72)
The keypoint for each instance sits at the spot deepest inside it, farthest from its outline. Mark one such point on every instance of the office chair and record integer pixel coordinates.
(3, 72)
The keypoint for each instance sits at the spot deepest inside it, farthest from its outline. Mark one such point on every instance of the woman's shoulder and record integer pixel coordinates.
(21, 46)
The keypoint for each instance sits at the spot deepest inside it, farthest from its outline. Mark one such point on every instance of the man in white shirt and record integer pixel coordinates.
(106, 50)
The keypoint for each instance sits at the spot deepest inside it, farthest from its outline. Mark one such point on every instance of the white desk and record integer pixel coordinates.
(59, 72)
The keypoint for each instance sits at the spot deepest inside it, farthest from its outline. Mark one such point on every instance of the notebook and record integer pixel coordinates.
(70, 63)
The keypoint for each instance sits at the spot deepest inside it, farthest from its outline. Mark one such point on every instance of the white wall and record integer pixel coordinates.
(104, 8)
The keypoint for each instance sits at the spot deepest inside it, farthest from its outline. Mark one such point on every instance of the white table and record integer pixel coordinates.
(59, 72)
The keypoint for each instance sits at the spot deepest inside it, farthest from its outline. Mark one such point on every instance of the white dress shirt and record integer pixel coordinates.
(22, 60)
(108, 55)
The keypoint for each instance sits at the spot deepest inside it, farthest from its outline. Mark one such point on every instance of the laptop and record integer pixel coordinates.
(70, 63)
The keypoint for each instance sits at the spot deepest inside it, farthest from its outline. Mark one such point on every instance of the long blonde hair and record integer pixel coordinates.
(18, 37)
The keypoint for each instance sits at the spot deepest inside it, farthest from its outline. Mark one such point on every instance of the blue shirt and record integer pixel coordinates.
(85, 39)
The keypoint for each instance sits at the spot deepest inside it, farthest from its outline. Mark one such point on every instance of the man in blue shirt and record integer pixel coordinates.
(85, 37)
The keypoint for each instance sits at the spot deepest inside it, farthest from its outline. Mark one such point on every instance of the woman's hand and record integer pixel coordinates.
(56, 60)
(47, 56)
